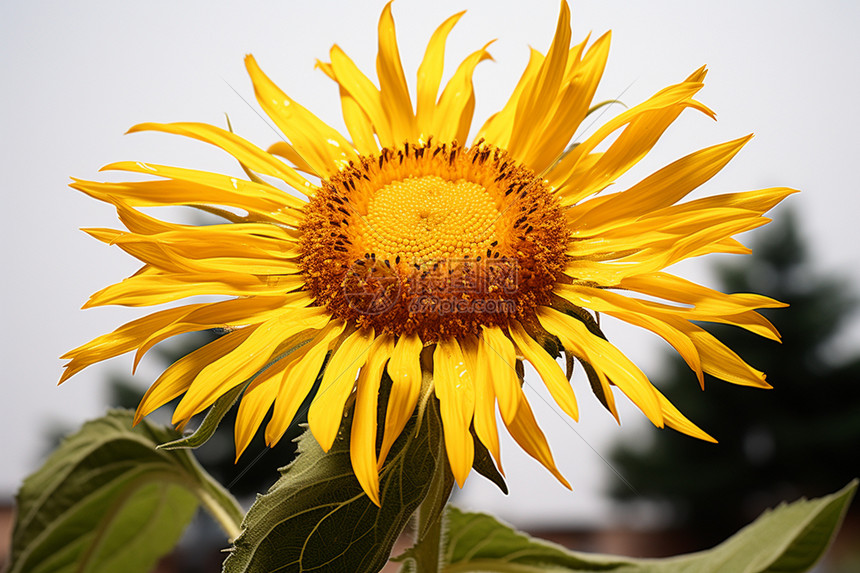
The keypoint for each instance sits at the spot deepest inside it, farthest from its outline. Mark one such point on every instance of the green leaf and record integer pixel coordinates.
(317, 518)
(106, 500)
(478, 542)
(788, 539)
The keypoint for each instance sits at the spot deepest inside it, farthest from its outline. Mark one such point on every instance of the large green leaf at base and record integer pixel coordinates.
(788, 539)
(106, 500)
(317, 518)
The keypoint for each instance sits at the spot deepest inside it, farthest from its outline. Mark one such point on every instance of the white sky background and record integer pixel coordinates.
(76, 75)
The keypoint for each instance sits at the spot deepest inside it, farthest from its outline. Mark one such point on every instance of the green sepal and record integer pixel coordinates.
(484, 465)
(106, 500)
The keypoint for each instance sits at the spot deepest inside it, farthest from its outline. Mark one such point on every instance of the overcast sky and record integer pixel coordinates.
(76, 75)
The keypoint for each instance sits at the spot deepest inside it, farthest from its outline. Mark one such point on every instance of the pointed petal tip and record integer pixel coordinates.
(557, 474)
(374, 497)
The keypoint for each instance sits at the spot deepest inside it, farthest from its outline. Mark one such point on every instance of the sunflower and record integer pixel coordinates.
(427, 264)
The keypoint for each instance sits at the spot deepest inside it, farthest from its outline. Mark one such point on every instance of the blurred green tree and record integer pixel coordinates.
(799, 439)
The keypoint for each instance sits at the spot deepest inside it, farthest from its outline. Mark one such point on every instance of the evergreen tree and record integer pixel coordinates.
(798, 439)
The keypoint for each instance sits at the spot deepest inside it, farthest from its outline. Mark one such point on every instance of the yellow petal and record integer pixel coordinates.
(572, 104)
(537, 99)
(225, 314)
(252, 355)
(326, 411)
(322, 147)
(357, 122)
(288, 152)
(453, 116)
(178, 376)
(392, 83)
(260, 394)
(720, 361)
(634, 312)
(550, 372)
(298, 380)
(275, 207)
(430, 75)
(124, 339)
(645, 123)
(485, 404)
(497, 362)
(404, 368)
(497, 129)
(247, 153)
(362, 445)
(363, 92)
(528, 435)
(609, 362)
(154, 288)
(663, 188)
(677, 421)
(456, 392)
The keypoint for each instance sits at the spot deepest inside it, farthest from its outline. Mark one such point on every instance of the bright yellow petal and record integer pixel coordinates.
(298, 380)
(404, 368)
(178, 376)
(720, 361)
(677, 421)
(536, 101)
(430, 75)
(357, 121)
(247, 153)
(252, 355)
(572, 104)
(363, 92)
(456, 393)
(609, 362)
(453, 116)
(225, 314)
(260, 394)
(548, 369)
(362, 444)
(497, 129)
(673, 324)
(124, 339)
(154, 288)
(632, 311)
(665, 187)
(264, 203)
(392, 83)
(326, 411)
(288, 152)
(485, 403)
(497, 361)
(322, 147)
(530, 437)
(645, 123)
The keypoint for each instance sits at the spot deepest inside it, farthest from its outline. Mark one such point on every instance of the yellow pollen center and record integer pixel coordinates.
(430, 218)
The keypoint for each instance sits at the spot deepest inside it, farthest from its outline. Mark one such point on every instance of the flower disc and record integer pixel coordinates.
(434, 240)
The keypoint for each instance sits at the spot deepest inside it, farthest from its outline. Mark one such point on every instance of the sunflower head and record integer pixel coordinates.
(431, 262)
(437, 240)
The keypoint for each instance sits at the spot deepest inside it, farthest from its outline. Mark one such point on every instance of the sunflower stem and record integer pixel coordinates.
(221, 515)
(428, 547)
